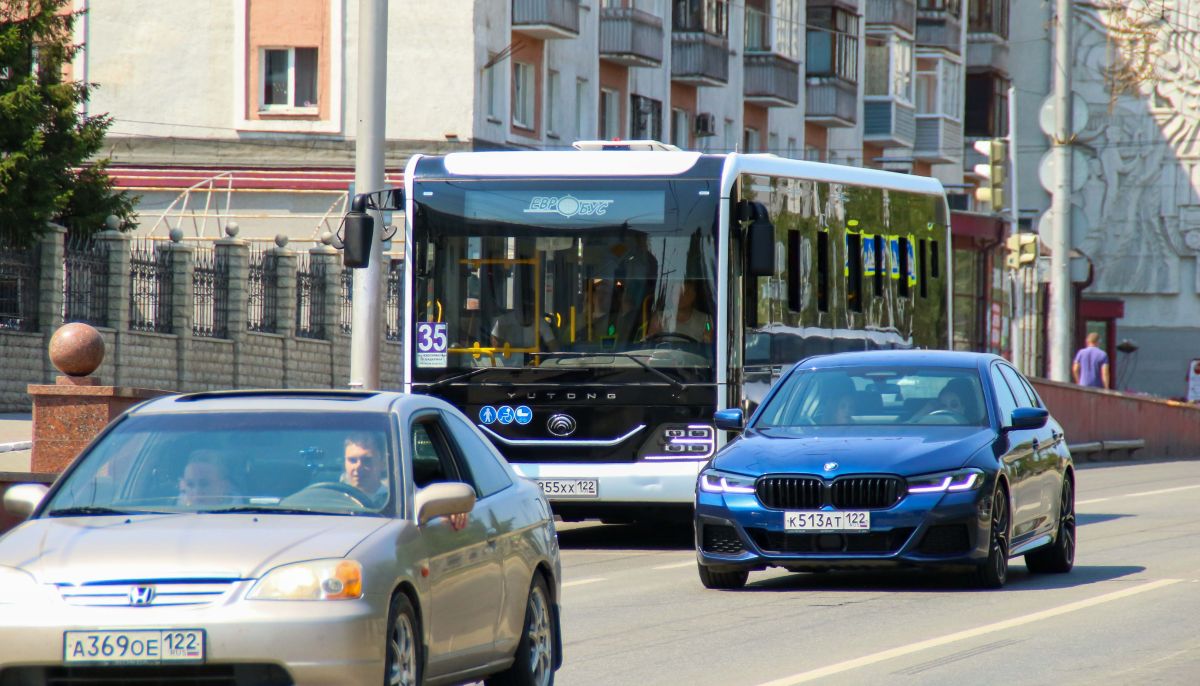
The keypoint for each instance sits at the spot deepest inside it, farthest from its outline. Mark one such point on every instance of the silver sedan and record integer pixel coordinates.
(283, 537)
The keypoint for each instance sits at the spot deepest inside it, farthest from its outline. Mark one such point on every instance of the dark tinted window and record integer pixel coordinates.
(433, 462)
(1006, 402)
(1018, 388)
(489, 475)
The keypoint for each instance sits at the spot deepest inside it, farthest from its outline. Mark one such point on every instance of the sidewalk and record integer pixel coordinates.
(16, 432)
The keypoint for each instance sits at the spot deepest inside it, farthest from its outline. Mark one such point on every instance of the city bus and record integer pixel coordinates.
(591, 309)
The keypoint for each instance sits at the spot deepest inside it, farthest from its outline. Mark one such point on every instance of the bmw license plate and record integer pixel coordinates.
(147, 646)
(569, 488)
(827, 521)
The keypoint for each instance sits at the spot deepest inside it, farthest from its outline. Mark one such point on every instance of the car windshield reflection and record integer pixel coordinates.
(220, 463)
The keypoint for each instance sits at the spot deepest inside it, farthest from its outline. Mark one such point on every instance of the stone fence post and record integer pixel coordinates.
(183, 307)
(119, 289)
(285, 303)
(331, 316)
(52, 281)
(235, 253)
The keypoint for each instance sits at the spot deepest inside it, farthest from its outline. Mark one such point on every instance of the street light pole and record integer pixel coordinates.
(1061, 319)
(366, 312)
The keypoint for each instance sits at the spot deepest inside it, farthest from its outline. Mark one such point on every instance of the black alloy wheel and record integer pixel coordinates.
(1059, 556)
(728, 581)
(994, 572)
(534, 660)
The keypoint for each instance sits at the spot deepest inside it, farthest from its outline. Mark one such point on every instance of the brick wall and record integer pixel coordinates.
(180, 360)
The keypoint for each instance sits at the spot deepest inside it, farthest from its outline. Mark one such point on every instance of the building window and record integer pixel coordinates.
(791, 148)
(289, 78)
(491, 88)
(988, 16)
(986, 103)
(708, 16)
(524, 91)
(581, 100)
(833, 43)
(773, 144)
(939, 87)
(751, 140)
(889, 69)
(552, 103)
(647, 118)
(728, 135)
(610, 114)
(680, 127)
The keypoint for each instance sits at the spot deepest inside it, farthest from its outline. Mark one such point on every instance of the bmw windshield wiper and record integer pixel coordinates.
(91, 510)
(267, 509)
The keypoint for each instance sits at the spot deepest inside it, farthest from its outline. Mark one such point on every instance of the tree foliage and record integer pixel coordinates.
(47, 170)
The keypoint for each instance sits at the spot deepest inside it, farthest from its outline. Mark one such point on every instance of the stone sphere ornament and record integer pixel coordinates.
(77, 349)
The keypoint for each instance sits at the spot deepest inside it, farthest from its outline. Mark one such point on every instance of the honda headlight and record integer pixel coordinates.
(713, 481)
(313, 580)
(946, 482)
(15, 585)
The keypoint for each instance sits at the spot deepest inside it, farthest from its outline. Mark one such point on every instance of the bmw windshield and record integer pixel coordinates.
(532, 276)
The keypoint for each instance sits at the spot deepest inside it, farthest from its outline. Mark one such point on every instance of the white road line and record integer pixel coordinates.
(1138, 495)
(677, 565)
(901, 651)
(581, 582)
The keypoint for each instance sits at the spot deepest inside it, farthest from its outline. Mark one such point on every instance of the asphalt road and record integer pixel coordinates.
(634, 611)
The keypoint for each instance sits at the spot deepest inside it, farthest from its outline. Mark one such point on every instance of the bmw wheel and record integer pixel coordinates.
(404, 644)
(722, 580)
(533, 664)
(1058, 557)
(994, 571)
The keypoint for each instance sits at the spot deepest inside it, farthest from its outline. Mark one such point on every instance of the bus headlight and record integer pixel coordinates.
(681, 442)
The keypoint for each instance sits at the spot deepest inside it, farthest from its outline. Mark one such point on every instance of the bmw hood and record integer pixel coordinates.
(176, 545)
(852, 450)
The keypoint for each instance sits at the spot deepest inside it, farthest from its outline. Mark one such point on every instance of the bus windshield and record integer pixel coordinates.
(564, 274)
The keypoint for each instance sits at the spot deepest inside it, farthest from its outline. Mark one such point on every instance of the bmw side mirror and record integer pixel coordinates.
(21, 500)
(1029, 418)
(441, 499)
(729, 420)
(358, 232)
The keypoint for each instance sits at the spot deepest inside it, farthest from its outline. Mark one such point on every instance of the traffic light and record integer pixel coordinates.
(993, 190)
(1022, 250)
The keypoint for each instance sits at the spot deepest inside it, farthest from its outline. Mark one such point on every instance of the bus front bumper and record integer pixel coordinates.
(669, 482)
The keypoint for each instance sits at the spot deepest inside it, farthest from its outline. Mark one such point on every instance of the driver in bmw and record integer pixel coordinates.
(363, 469)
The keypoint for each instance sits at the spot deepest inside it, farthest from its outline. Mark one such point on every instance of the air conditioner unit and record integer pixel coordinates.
(706, 125)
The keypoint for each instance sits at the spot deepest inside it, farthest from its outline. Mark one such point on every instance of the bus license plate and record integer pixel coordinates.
(569, 488)
(153, 646)
(827, 521)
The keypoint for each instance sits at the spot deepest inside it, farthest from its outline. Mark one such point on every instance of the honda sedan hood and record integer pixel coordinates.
(244, 546)
(852, 450)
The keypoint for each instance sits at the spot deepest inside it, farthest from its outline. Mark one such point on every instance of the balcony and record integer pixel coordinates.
(831, 101)
(939, 139)
(986, 51)
(889, 122)
(771, 80)
(896, 14)
(631, 37)
(546, 19)
(939, 28)
(699, 58)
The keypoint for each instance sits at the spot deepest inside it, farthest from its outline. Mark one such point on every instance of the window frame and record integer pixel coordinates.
(610, 114)
(524, 96)
(552, 110)
(291, 107)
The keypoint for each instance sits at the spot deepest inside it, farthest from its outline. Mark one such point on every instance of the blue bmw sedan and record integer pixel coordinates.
(889, 458)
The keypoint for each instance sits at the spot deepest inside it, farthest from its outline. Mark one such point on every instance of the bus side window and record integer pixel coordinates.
(922, 259)
(794, 271)
(904, 267)
(854, 260)
(823, 271)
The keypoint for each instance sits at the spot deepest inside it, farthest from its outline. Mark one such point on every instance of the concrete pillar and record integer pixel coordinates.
(285, 307)
(118, 291)
(236, 255)
(51, 280)
(183, 305)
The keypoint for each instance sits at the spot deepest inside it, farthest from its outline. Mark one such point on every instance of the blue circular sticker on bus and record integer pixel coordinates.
(487, 414)
(524, 415)
(505, 414)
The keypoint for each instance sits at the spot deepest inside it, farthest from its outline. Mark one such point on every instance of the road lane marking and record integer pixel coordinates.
(1138, 495)
(677, 565)
(911, 648)
(581, 582)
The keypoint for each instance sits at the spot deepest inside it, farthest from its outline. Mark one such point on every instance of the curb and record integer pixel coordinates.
(13, 447)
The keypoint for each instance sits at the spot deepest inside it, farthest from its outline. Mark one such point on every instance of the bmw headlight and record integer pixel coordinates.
(946, 482)
(15, 585)
(313, 580)
(713, 481)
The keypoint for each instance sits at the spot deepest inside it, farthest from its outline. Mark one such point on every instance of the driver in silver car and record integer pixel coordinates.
(363, 468)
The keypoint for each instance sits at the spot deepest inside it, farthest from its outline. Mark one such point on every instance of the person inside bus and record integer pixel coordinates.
(687, 321)
(612, 316)
(516, 329)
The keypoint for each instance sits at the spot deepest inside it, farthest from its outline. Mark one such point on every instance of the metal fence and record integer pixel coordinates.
(310, 298)
(150, 285)
(210, 294)
(85, 280)
(262, 292)
(19, 273)
(394, 306)
(346, 311)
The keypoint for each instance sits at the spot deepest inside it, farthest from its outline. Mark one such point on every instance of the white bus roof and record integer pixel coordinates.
(552, 163)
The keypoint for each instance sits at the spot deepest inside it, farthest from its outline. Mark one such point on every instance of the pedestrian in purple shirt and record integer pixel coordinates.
(1091, 364)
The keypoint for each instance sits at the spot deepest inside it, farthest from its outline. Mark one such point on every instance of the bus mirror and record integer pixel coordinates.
(760, 247)
(359, 231)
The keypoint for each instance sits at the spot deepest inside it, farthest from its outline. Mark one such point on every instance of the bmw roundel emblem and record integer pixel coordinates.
(561, 425)
(830, 466)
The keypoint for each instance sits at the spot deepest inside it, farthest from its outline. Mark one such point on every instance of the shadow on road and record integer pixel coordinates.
(937, 581)
(666, 536)
(1098, 517)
